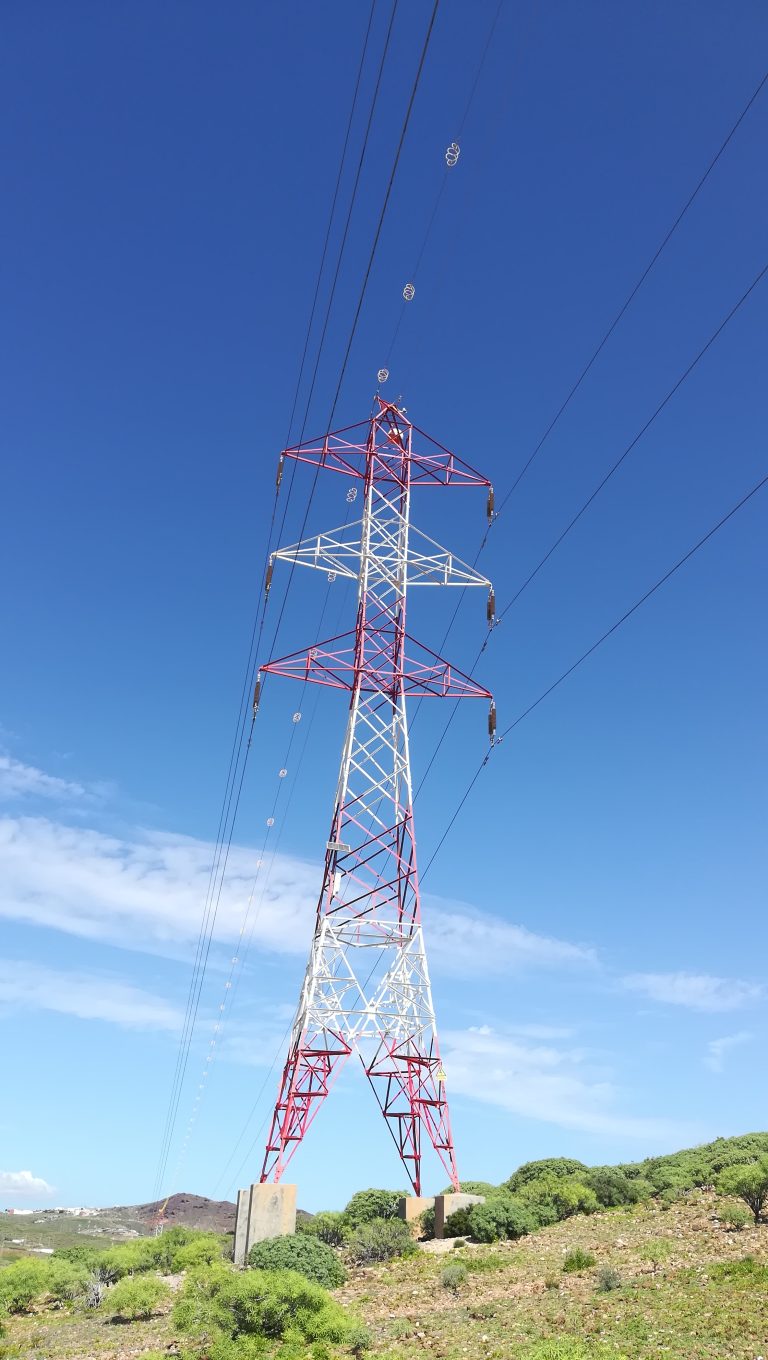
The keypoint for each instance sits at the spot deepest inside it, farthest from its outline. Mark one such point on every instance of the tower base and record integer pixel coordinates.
(263, 1211)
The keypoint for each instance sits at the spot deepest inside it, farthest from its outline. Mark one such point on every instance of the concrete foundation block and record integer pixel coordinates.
(411, 1207)
(445, 1205)
(271, 1213)
(241, 1226)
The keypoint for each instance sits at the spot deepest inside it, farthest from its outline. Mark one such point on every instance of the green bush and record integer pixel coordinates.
(578, 1260)
(367, 1205)
(330, 1227)
(547, 1167)
(473, 1188)
(561, 1195)
(219, 1304)
(427, 1223)
(613, 1187)
(67, 1280)
(79, 1256)
(608, 1279)
(380, 1240)
(501, 1217)
(453, 1276)
(733, 1216)
(310, 1257)
(135, 1296)
(747, 1182)
(21, 1283)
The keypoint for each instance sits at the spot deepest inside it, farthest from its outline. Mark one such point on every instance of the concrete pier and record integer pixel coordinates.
(411, 1207)
(445, 1205)
(263, 1211)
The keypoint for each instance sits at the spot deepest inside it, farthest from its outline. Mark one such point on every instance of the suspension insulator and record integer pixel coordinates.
(491, 608)
(268, 577)
(492, 721)
(490, 506)
(256, 694)
(279, 477)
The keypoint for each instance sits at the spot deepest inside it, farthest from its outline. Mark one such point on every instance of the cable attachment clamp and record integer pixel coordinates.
(409, 292)
(452, 154)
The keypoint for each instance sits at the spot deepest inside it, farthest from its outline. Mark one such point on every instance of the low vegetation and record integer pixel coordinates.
(560, 1262)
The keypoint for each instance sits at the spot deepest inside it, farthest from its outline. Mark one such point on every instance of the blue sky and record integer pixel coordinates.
(596, 920)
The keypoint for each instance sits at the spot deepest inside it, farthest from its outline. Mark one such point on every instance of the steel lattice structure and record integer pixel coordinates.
(367, 986)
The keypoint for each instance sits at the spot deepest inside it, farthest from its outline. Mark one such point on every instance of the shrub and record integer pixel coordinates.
(453, 1275)
(747, 1182)
(369, 1204)
(473, 1188)
(330, 1227)
(201, 1251)
(21, 1283)
(380, 1240)
(578, 1260)
(427, 1223)
(117, 1262)
(612, 1187)
(548, 1166)
(310, 1257)
(561, 1195)
(733, 1216)
(219, 1304)
(78, 1256)
(66, 1280)
(608, 1279)
(135, 1297)
(501, 1217)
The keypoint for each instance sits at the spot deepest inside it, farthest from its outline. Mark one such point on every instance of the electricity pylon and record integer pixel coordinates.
(366, 986)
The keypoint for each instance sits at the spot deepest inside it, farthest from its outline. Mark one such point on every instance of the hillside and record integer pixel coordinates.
(184, 1210)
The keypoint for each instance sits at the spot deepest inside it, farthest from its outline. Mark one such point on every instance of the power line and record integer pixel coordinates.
(609, 332)
(631, 296)
(589, 652)
(255, 640)
(615, 466)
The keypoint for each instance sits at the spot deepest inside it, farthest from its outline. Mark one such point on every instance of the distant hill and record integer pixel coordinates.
(183, 1210)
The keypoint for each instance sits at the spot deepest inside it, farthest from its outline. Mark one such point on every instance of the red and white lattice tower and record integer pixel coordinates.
(367, 984)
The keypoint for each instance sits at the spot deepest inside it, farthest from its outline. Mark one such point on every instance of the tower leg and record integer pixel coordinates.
(308, 1074)
(408, 1085)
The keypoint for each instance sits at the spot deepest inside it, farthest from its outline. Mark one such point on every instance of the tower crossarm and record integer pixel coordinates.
(417, 673)
(340, 551)
(384, 445)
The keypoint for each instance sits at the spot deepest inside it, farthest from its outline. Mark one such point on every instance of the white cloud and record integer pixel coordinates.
(537, 1081)
(718, 1048)
(23, 1185)
(88, 996)
(697, 991)
(25, 781)
(465, 942)
(147, 892)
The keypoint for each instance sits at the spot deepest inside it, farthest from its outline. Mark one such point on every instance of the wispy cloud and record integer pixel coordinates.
(23, 1185)
(544, 1082)
(89, 996)
(466, 942)
(146, 891)
(717, 1049)
(697, 991)
(26, 781)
